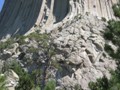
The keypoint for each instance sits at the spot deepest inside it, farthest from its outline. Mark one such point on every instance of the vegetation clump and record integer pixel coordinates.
(35, 80)
(6, 44)
(25, 82)
(116, 9)
(112, 33)
(109, 50)
(103, 19)
(101, 84)
(50, 85)
(2, 83)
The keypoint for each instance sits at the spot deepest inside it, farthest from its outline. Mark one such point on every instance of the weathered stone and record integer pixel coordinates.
(85, 50)
(78, 38)
(11, 79)
(75, 59)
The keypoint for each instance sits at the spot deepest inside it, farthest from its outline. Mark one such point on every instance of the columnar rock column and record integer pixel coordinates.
(19, 16)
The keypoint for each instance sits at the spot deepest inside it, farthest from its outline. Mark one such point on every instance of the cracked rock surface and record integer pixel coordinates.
(81, 51)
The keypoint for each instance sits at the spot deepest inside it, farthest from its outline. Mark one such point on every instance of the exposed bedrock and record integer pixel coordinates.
(61, 9)
(19, 16)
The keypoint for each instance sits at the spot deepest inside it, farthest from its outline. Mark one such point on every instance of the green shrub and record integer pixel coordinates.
(103, 19)
(35, 75)
(116, 9)
(7, 44)
(21, 39)
(117, 54)
(25, 82)
(109, 50)
(37, 88)
(32, 50)
(112, 34)
(28, 80)
(38, 37)
(50, 85)
(56, 64)
(77, 87)
(108, 35)
(2, 83)
(101, 84)
(116, 28)
(105, 84)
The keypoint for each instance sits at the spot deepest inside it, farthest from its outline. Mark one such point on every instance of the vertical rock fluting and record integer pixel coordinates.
(19, 16)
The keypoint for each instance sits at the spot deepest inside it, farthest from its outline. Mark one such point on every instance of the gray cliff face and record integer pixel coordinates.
(19, 16)
(77, 31)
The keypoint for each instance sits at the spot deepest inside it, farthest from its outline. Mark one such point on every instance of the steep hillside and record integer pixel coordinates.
(58, 44)
(72, 56)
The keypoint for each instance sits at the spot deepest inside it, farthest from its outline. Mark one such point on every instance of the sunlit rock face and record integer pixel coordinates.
(19, 16)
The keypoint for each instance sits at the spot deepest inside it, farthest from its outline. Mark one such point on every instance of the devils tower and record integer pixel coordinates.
(63, 44)
(19, 16)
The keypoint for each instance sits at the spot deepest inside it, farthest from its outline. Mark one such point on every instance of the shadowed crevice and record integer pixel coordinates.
(61, 8)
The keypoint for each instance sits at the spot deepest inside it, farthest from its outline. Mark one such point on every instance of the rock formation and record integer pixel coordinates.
(77, 31)
(11, 79)
(19, 16)
(79, 52)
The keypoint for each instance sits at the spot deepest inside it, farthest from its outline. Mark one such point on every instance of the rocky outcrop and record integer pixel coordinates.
(81, 52)
(77, 34)
(11, 79)
(19, 16)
